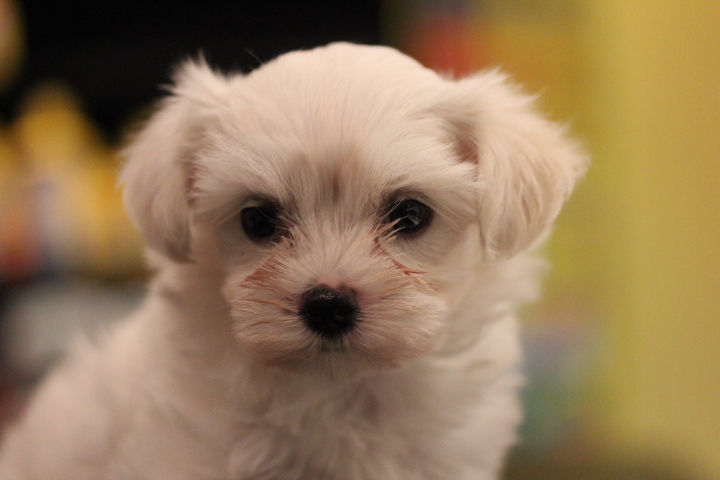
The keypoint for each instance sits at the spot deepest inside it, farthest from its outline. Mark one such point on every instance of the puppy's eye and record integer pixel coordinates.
(260, 223)
(408, 216)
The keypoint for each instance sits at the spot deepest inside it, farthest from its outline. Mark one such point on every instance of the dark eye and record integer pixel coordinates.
(408, 216)
(260, 223)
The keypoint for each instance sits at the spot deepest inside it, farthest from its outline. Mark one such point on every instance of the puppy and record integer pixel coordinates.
(340, 239)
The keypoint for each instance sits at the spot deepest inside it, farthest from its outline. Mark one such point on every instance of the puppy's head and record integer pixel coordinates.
(351, 193)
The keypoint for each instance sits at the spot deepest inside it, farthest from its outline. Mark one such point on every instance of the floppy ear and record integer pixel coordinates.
(526, 166)
(158, 159)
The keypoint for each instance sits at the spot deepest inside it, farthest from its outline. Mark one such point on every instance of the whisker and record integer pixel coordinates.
(263, 322)
(267, 302)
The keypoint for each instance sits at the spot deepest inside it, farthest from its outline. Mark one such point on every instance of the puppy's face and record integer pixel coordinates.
(338, 239)
(351, 193)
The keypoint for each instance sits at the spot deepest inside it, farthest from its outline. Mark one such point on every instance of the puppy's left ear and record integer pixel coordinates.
(526, 165)
(159, 159)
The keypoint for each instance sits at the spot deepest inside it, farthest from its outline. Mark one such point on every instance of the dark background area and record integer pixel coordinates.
(115, 54)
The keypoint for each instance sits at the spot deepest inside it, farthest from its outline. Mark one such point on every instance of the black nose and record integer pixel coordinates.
(329, 312)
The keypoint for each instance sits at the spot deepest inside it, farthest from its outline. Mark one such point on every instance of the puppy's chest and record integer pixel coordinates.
(348, 437)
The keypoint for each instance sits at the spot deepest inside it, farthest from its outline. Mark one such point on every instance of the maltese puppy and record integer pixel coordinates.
(340, 239)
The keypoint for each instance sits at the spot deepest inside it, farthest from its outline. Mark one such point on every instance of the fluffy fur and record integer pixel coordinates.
(216, 377)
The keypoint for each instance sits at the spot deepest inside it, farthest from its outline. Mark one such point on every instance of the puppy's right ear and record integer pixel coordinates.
(155, 177)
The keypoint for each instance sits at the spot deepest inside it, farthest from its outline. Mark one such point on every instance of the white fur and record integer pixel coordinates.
(214, 376)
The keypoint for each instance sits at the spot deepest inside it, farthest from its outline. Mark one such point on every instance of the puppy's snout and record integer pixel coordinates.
(329, 312)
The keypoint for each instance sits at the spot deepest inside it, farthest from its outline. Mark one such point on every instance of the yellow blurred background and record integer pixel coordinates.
(623, 353)
(635, 294)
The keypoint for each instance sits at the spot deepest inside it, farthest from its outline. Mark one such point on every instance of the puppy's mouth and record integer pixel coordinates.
(333, 347)
(347, 343)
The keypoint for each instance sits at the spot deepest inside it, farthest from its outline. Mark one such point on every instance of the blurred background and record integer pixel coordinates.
(623, 353)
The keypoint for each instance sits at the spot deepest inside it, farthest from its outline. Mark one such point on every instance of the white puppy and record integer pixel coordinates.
(340, 239)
